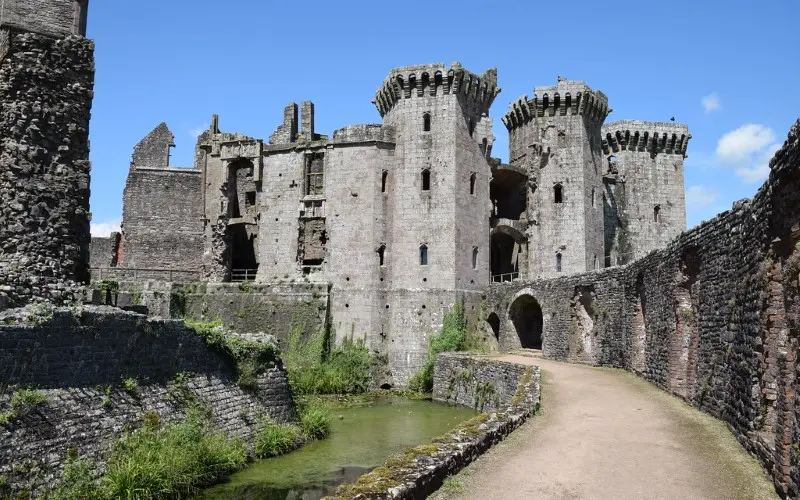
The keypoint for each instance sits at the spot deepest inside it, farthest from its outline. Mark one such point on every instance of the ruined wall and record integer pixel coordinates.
(104, 251)
(712, 318)
(46, 94)
(162, 219)
(481, 383)
(49, 17)
(78, 353)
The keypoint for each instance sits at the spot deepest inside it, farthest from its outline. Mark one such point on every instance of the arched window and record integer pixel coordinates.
(596, 263)
(381, 254)
(474, 257)
(426, 180)
(423, 255)
(558, 193)
(472, 179)
(657, 214)
(471, 127)
(558, 262)
(426, 122)
(384, 179)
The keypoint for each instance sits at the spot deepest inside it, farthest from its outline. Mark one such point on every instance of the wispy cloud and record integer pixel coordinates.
(711, 103)
(195, 132)
(747, 150)
(105, 228)
(700, 196)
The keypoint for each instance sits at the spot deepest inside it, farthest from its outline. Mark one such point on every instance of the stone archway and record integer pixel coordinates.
(494, 323)
(526, 315)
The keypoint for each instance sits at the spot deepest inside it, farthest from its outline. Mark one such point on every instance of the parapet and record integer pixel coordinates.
(153, 150)
(568, 97)
(364, 133)
(437, 79)
(57, 18)
(653, 137)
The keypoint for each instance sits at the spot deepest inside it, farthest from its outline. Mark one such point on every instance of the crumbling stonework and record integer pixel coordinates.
(45, 94)
(712, 318)
(76, 354)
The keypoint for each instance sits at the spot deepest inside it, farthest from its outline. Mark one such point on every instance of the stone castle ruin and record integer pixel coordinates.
(575, 247)
(406, 217)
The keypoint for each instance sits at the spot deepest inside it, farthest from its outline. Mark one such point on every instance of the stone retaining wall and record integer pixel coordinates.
(482, 383)
(417, 472)
(79, 358)
(712, 318)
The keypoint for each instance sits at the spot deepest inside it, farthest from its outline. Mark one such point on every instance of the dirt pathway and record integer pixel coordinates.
(604, 434)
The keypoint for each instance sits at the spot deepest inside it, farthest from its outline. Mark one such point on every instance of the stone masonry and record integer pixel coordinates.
(404, 218)
(46, 82)
(712, 318)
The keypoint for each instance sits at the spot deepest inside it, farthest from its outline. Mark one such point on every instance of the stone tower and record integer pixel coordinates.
(46, 82)
(555, 140)
(644, 200)
(438, 198)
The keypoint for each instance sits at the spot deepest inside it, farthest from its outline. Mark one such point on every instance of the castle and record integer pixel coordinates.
(406, 217)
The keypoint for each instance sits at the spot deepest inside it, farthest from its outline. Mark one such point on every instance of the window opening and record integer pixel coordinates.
(384, 178)
(558, 262)
(558, 193)
(475, 258)
(657, 214)
(423, 255)
(472, 179)
(381, 254)
(314, 171)
(426, 122)
(426, 180)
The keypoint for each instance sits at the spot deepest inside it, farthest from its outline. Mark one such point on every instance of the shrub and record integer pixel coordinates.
(174, 461)
(6, 416)
(129, 385)
(345, 371)
(315, 420)
(453, 336)
(276, 439)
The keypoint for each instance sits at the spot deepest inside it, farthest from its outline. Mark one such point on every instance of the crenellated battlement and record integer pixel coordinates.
(568, 97)
(653, 137)
(436, 80)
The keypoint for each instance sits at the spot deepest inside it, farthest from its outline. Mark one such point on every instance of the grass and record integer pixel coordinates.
(452, 485)
(345, 370)
(315, 420)
(276, 439)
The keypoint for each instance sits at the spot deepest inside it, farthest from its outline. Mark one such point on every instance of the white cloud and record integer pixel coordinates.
(711, 103)
(195, 132)
(747, 150)
(105, 228)
(700, 196)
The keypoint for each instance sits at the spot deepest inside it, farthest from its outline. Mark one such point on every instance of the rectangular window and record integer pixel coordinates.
(423, 255)
(314, 167)
(250, 198)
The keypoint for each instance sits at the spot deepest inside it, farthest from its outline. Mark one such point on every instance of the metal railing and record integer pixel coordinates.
(506, 277)
(140, 273)
(239, 275)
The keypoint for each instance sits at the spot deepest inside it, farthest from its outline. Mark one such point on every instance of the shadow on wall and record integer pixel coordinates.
(526, 315)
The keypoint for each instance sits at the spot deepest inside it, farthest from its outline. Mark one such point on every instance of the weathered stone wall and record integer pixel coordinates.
(711, 318)
(80, 357)
(482, 383)
(103, 251)
(162, 218)
(46, 94)
(48, 17)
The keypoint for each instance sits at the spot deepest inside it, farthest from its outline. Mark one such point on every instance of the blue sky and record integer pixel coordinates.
(728, 69)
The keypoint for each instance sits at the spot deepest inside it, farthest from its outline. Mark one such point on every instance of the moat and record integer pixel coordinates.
(360, 441)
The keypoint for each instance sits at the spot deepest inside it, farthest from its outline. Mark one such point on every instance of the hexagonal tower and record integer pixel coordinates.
(644, 197)
(438, 197)
(555, 138)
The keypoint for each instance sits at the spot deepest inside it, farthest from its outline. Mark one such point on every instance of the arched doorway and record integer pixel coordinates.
(526, 314)
(494, 323)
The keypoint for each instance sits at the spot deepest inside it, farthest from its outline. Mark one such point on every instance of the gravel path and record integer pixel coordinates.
(605, 434)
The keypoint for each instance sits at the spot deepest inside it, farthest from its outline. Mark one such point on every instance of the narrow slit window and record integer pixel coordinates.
(426, 122)
(558, 262)
(471, 127)
(426, 180)
(657, 214)
(381, 255)
(593, 198)
(384, 179)
(472, 179)
(423, 255)
(596, 263)
(558, 193)
(474, 257)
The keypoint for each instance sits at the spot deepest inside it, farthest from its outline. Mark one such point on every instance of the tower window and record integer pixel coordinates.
(657, 214)
(471, 127)
(314, 168)
(558, 262)
(423, 255)
(384, 178)
(426, 180)
(381, 254)
(558, 193)
(474, 257)
(472, 179)
(426, 122)
(596, 263)
(592, 197)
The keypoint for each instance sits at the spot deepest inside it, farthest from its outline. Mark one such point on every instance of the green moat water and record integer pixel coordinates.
(359, 442)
